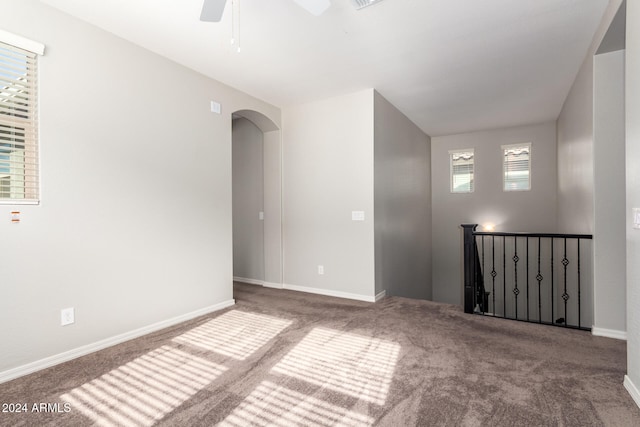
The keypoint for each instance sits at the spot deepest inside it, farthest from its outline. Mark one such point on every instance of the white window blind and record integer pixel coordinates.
(461, 162)
(18, 125)
(517, 167)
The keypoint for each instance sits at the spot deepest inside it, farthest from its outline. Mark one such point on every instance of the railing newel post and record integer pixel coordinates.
(469, 263)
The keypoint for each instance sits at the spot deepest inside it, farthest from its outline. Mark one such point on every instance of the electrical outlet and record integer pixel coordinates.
(67, 316)
(321, 270)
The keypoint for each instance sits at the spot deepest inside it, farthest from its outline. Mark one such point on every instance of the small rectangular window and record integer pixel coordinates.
(461, 162)
(18, 125)
(516, 166)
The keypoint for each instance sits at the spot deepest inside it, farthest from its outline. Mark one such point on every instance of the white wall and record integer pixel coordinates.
(609, 248)
(248, 200)
(533, 211)
(134, 225)
(632, 83)
(328, 173)
(402, 187)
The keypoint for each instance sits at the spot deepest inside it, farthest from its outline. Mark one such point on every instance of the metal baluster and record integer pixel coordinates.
(552, 280)
(579, 310)
(493, 273)
(565, 296)
(527, 278)
(515, 258)
(539, 279)
(504, 277)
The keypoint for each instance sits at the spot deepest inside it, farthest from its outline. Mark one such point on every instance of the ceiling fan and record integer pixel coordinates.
(212, 9)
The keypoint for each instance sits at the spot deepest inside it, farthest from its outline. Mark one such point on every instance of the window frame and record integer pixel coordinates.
(503, 149)
(472, 186)
(31, 49)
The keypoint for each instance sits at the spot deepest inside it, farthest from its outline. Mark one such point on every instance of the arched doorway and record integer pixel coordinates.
(257, 199)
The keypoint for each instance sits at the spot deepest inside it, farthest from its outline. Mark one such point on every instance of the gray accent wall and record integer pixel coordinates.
(533, 211)
(402, 183)
(632, 82)
(272, 207)
(590, 185)
(575, 155)
(135, 221)
(248, 200)
(575, 142)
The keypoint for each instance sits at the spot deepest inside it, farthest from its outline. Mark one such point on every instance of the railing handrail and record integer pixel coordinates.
(522, 234)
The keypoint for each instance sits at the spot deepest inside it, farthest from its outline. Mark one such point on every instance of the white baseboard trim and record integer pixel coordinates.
(330, 293)
(318, 291)
(273, 285)
(248, 281)
(609, 333)
(50, 361)
(258, 282)
(632, 389)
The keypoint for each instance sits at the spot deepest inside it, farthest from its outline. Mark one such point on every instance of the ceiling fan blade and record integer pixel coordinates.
(212, 10)
(314, 7)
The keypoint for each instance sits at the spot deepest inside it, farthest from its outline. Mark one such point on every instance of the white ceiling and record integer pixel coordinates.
(450, 65)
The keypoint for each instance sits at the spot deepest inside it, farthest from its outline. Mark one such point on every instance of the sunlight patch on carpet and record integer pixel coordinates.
(236, 334)
(273, 405)
(351, 364)
(144, 390)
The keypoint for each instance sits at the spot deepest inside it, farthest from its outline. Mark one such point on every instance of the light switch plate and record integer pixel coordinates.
(357, 215)
(636, 218)
(215, 107)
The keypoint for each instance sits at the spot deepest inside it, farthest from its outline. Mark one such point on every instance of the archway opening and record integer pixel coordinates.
(257, 199)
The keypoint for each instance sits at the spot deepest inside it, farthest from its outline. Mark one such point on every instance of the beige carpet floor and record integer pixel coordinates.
(285, 358)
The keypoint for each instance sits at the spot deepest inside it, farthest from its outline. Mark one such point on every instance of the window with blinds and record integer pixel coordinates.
(516, 165)
(461, 162)
(18, 125)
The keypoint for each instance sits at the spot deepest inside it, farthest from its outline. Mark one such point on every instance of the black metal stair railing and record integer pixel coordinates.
(532, 277)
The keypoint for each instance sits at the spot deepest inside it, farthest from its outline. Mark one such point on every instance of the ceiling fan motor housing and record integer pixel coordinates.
(359, 4)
